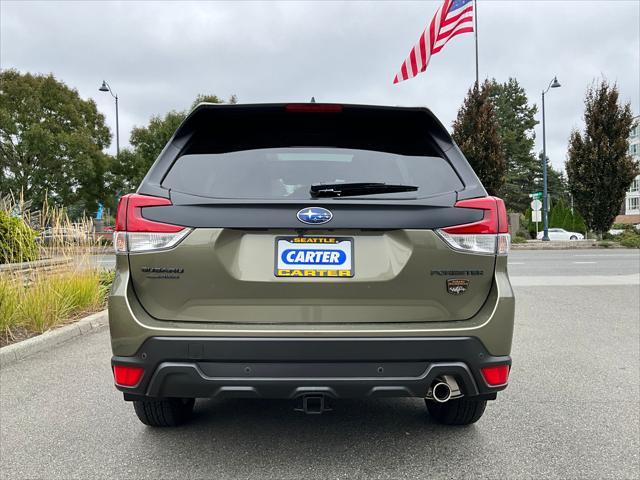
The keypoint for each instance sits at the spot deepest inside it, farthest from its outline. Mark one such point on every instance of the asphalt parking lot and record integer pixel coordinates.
(572, 409)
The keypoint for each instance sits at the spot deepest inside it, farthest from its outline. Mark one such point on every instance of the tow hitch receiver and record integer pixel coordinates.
(312, 404)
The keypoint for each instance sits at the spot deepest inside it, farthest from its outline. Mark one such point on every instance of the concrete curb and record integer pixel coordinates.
(44, 263)
(17, 351)
(558, 245)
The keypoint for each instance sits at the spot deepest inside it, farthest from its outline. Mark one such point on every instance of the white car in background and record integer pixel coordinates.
(561, 234)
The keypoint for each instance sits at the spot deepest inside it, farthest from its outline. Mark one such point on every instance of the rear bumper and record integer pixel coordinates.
(200, 367)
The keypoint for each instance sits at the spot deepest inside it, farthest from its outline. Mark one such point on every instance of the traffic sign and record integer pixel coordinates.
(536, 216)
(536, 205)
(537, 195)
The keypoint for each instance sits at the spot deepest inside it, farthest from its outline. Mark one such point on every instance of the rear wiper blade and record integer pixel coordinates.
(356, 188)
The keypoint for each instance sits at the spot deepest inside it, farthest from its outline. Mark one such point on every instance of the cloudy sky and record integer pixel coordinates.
(159, 56)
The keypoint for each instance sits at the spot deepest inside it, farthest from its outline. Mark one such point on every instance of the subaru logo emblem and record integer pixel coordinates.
(314, 215)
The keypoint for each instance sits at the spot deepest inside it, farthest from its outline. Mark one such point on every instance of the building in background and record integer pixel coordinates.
(632, 200)
(631, 207)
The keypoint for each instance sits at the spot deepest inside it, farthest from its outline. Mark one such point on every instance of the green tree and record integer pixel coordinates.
(557, 185)
(203, 98)
(476, 131)
(598, 166)
(51, 142)
(560, 216)
(146, 144)
(516, 121)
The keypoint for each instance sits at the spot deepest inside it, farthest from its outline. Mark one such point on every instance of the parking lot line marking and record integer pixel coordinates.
(607, 255)
(515, 263)
(585, 262)
(575, 280)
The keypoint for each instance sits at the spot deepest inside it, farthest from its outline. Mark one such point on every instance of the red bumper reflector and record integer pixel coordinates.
(127, 376)
(496, 376)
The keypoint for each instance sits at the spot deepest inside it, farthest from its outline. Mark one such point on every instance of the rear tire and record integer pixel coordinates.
(459, 411)
(166, 412)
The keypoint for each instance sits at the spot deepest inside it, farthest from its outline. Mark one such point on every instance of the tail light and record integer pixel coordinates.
(314, 107)
(134, 233)
(488, 236)
(127, 376)
(496, 376)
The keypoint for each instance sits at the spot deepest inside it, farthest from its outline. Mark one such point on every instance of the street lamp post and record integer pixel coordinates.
(106, 88)
(545, 205)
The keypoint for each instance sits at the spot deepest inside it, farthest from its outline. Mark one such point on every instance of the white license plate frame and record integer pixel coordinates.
(326, 257)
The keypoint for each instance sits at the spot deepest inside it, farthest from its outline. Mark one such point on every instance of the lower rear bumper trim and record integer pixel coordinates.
(292, 367)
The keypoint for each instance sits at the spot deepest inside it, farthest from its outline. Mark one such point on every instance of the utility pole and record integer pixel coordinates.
(545, 201)
(106, 88)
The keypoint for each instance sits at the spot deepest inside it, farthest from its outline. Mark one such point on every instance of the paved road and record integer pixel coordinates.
(574, 262)
(572, 409)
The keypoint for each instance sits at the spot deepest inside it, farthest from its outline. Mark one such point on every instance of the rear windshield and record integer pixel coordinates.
(288, 173)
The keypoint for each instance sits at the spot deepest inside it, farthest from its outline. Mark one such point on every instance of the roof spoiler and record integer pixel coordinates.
(205, 114)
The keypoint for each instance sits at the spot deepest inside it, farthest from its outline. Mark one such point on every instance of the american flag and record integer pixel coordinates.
(452, 18)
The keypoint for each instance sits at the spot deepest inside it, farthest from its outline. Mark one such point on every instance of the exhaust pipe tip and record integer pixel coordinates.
(441, 392)
(443, 389)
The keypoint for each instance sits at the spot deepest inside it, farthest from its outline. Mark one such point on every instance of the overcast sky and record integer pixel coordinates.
(159, 56)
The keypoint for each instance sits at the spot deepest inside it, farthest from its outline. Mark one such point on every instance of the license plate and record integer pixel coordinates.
(326, 257)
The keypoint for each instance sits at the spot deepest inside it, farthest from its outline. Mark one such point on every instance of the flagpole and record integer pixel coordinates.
(475, 31)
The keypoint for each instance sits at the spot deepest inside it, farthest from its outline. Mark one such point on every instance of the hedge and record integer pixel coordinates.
(17, 240)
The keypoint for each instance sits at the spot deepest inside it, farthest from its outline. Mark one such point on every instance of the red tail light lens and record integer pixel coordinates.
(487, 236)
(314, 107)
(134, 233)
(503, 220)
(494, 221)
(129, 217)
(496, 376)
(127, 376)
(121, 213)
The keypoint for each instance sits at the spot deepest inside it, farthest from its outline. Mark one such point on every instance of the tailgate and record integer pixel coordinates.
(227, 275)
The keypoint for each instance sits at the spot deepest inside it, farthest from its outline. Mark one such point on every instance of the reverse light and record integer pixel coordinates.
(127, 376)
(489, 236)
(134, 233)
(496, 376)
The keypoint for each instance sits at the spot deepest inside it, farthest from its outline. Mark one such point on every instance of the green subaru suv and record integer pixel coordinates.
(311, 252)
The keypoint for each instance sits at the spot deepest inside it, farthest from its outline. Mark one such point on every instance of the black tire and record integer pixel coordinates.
(167, 412)
(459, 411)
(573, 237)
